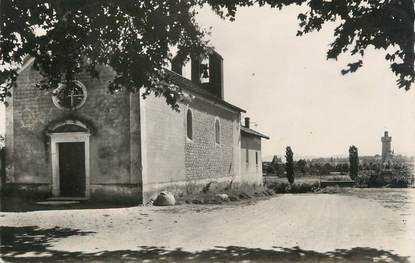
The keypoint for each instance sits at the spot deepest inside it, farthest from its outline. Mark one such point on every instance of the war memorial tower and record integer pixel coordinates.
(386, 146)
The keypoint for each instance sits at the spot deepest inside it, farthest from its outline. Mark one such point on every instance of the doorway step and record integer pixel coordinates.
(62, 200)
(57, 202)
(67, 198)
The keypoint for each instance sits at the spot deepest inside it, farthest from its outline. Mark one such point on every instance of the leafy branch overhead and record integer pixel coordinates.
(135, 38)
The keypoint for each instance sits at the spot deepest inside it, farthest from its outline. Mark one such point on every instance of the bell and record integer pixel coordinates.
(205, 74)
(205, 71)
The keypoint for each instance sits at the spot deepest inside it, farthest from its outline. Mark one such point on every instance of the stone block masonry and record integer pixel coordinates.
(30, 114)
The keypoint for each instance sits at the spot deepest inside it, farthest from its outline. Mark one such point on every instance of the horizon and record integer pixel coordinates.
(297, 157)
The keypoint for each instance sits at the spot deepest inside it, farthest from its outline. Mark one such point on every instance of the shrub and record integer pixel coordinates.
(362, 181)
(400, 182)
(281, 187)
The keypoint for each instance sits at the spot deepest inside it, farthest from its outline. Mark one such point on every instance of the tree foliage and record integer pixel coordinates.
(354, 162)
(289, 165)
(135, 38)
(302, 165)
(277, 166)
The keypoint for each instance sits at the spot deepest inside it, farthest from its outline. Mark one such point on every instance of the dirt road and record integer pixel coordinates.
(363, 225)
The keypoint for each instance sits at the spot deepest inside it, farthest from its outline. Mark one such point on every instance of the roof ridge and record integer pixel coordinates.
(253, 132)
(190, 85)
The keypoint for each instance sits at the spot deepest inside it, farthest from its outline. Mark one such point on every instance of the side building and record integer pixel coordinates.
(251, 157)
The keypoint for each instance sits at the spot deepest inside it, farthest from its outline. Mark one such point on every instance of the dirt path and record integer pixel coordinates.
(308, 226)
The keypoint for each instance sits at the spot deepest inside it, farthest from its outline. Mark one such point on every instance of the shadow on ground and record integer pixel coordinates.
(32, 244)
(19, 204)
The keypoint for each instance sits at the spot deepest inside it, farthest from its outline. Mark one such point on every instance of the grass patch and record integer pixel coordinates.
(218, 193)
(299, 187)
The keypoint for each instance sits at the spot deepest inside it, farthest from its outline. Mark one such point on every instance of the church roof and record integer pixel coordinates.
(175, 78)
(253, 132)
(193, 87)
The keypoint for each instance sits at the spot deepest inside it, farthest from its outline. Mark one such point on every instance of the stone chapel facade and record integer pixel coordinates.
(81, 142)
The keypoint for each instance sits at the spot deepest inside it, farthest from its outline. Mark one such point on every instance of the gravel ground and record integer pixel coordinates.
(358, 225)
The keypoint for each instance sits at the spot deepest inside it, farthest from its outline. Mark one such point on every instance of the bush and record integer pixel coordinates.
(362, 181)
(365, 180)
(400, 182)
(208, 193)
(278, 187)
(281, 187)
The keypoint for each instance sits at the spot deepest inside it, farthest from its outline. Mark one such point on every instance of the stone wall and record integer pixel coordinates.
(32, 111)
(172, 161)
(204, 157)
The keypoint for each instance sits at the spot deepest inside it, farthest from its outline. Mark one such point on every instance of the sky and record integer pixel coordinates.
(297, 97)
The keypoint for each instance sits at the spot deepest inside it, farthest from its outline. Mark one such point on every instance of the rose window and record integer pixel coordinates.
(70, 95)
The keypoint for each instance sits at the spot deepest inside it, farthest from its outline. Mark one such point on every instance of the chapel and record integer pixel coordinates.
(81, 142)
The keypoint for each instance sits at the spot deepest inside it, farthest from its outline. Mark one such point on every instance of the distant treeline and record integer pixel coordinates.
(325, 166)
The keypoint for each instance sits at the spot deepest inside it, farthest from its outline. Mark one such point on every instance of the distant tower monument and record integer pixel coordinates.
(386, 146)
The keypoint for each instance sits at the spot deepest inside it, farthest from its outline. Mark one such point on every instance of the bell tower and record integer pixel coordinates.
(206, 72)
(386, 146)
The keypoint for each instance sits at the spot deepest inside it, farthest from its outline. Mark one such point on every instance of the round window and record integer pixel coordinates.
(69, 96)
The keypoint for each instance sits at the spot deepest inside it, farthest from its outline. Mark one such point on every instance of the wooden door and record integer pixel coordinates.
(72, 169)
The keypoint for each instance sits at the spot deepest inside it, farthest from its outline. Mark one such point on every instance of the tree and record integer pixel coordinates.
(135, 38)
(315, 168)
(64, 37)
(289, 165)
(326, 169)
(267, 168)
(277, 165)
(354, 162)
(345, 168)
(301, 164)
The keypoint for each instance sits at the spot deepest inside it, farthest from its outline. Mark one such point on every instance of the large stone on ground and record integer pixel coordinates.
(212, 187)
(164, 199)
(222, 197)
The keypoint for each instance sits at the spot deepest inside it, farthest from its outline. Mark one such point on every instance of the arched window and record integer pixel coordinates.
(217, 131)
(189, 124)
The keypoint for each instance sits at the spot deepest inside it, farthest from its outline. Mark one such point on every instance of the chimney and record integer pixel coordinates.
(247, 122)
